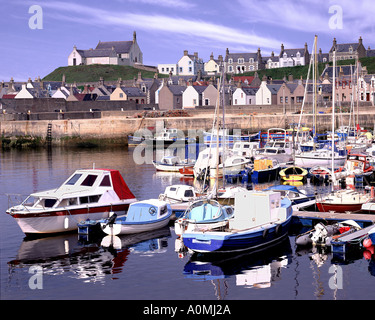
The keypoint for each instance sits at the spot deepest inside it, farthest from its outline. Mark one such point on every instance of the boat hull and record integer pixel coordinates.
(326, 207)
(57, 221)
(226, 242)
(260, 176)
(131, 228)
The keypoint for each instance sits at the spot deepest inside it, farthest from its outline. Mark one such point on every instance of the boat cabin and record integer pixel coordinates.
(147, 210)
(83, 187)
(179, 192)
(170, 160)
(245, 149)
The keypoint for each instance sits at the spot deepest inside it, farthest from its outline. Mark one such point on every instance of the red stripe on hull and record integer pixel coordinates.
(120, 207)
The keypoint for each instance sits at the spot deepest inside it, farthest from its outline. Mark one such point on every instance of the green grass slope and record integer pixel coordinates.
(92, 73)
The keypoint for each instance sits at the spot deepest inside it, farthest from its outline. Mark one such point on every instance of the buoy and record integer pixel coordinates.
(367, 255)
(367, 243)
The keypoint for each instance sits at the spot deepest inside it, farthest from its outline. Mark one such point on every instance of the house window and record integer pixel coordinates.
(194, 102)
(230, 69)
(162, 69)
(190, 69)
(241, 60)
(180, 69)
(251, 60)
(206, 102)
(251, 68)
(121, 95)
(230, 60)
(281, 99)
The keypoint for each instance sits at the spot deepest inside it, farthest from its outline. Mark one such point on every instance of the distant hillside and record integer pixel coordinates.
(92, 73)
(298, 71)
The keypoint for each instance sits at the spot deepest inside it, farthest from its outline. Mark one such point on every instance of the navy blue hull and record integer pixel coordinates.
(252, 240)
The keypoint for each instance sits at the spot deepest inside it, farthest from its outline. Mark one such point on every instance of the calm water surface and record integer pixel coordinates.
(147, 267)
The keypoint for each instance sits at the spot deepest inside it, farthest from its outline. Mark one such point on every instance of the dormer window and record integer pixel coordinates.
(251, 60)
(230, 60)
(351, 49)
(285, 55)
(240, 60)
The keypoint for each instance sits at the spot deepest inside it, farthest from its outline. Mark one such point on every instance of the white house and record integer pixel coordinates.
(61, 93)
(293, 57)
(267, 93)
(108, 52)
(24, 93)
(212, 67)
(190, 64)
(192, 96)
(168, 68)
(272, 62)
(244, 96)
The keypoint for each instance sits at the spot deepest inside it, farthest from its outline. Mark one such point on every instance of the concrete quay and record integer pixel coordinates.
(118, 125)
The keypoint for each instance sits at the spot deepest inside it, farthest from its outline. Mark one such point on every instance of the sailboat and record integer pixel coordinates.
(341, 200)
(323, 156)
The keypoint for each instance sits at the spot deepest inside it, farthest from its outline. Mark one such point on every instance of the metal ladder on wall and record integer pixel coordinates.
(49, 133)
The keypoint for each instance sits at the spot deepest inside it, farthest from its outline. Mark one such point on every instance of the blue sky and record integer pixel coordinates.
(165, 28)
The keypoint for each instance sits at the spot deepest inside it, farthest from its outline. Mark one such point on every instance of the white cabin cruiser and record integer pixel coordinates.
(86, 194)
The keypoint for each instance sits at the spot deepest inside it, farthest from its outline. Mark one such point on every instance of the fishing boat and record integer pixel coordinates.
(170, 164)
(260, 219)
(223, 136)
(187, 170)
(265, 170)
(293, 173)
(356, 164)
(319, 157)
(345, 200)
(203, 215)
(142, 216)
(292, 193)
(86, 194)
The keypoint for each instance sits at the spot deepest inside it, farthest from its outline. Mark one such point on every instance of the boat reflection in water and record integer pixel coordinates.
(253, 270)
(88, 261)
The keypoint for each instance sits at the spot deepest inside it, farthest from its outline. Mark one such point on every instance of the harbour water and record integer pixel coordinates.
(147, 267)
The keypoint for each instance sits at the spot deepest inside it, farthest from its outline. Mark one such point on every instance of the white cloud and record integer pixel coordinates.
(161, 23)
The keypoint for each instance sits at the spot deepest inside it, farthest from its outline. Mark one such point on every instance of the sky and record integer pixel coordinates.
(35, 42)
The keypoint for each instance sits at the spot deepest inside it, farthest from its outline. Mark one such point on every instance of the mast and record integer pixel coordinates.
(333, 117)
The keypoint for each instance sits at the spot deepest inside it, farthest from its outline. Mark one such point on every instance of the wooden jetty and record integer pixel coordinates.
(310, 218)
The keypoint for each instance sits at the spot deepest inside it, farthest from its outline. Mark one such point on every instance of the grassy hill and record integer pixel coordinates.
(299, 71)
(92, 73)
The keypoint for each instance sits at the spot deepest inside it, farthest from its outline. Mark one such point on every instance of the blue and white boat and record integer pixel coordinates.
(260, 219)
(292, 193)
(203, 215)
(142, 216)
(265, 170)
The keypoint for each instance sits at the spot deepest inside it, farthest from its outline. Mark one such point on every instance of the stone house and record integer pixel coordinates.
(126, 53)
(366, 88)
(347, 51)
(243, 62)
(272, 62)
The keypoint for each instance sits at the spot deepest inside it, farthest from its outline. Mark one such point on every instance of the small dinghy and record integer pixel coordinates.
(293, 173)
(142, 216)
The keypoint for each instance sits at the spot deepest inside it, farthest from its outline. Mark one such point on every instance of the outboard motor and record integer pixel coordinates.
(111, 220)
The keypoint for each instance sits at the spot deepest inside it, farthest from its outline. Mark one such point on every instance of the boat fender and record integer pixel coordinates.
(367, 243)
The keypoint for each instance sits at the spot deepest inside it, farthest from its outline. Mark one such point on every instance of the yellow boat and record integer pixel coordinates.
(293, 174)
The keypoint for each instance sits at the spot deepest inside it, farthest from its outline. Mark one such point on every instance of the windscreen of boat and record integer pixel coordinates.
(89, 180)
(74, 179)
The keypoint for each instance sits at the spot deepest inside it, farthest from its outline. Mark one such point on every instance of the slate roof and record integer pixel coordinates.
(347, 70)
(133, 92)
(292, 52)
(370, 53)
(344, 47)
(99, 53)
(274, 88)
(120, 46)
(245, 56)
(250, 91)
(176, 89)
